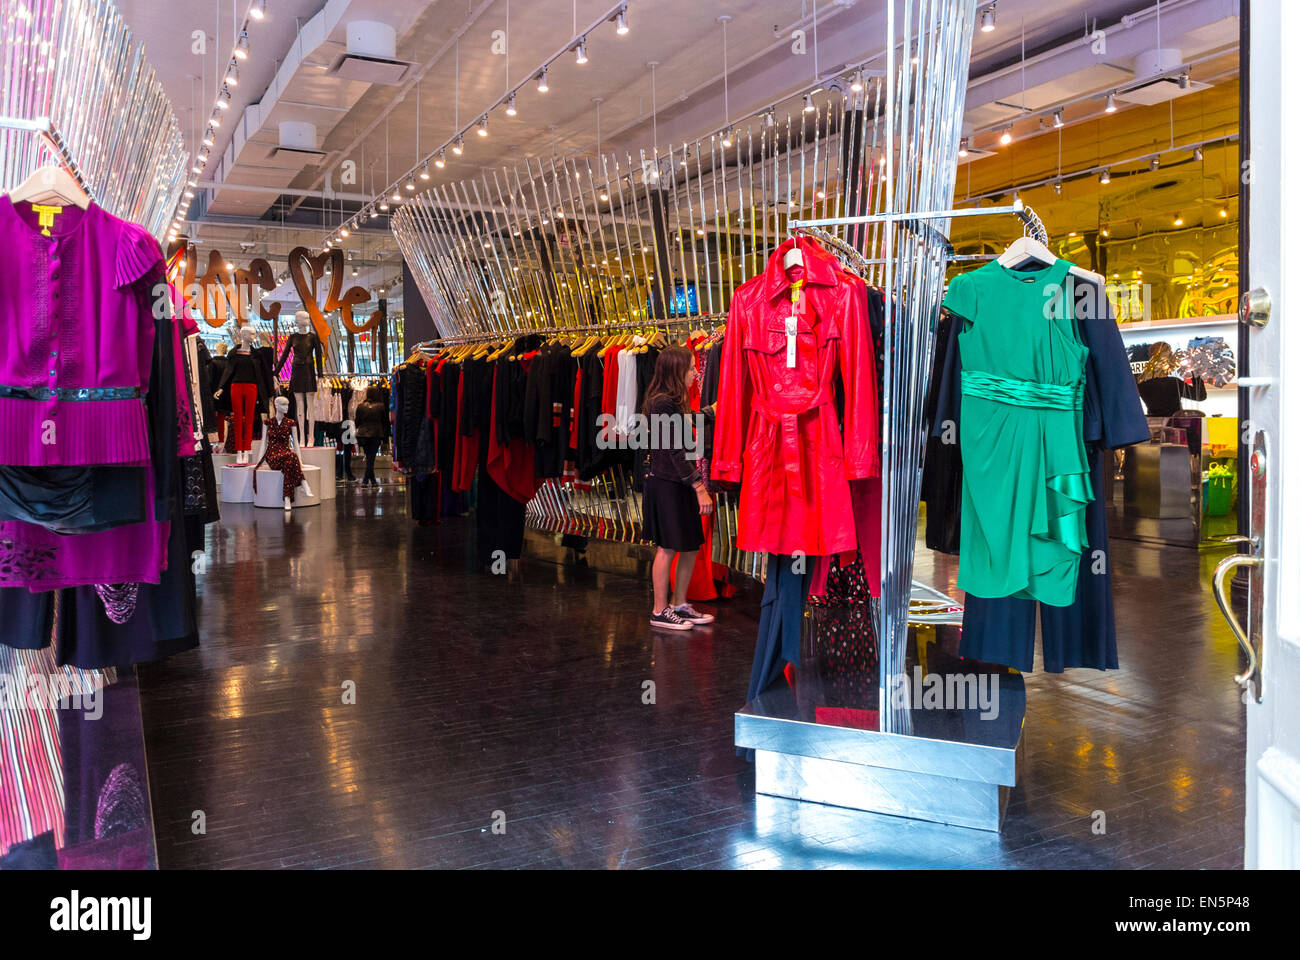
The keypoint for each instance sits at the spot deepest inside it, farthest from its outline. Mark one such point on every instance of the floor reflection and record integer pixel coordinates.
(365, 698)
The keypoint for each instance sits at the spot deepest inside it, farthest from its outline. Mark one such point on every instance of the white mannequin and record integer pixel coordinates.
(244, 344)
(306, 419)
(281, 410)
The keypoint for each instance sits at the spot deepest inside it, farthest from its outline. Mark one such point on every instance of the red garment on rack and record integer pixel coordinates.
(465, 462)
(778, 433)
(609, 386)
(511, 466)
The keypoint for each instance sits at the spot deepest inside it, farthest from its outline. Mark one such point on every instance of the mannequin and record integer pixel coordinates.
(248, 392)
(222, 406)
(308, 362)
(279, 451)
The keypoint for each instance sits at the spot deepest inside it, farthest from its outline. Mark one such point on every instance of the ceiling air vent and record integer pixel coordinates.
(372, 55)
(297, 147)
(1161, 77)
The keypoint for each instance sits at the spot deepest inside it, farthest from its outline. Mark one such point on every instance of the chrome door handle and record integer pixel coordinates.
(1225, 567)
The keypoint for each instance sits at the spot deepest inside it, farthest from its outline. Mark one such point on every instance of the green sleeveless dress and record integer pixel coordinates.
(1025, 479)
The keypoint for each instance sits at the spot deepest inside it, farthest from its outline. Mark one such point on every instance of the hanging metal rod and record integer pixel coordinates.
(44, 127)
(1017, 208)
(700, 320)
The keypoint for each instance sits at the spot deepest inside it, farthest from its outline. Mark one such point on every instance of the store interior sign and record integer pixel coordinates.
(224, 292)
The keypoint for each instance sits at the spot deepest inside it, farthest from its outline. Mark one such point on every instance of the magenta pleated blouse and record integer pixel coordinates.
(73, 317)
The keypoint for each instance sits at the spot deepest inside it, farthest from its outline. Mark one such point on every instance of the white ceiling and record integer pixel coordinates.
(683, 36)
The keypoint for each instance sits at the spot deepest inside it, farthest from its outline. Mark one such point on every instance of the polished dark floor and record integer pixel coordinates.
(482, 699)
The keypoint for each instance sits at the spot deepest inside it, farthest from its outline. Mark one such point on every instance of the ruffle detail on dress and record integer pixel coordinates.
(138, 255)
(1068, 496)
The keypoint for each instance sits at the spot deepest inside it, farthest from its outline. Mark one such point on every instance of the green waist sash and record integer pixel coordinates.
(1021, 393)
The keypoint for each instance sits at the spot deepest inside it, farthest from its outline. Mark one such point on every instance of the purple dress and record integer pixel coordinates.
(77, 335)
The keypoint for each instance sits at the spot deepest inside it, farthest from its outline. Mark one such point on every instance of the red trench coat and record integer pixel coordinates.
(777, 430)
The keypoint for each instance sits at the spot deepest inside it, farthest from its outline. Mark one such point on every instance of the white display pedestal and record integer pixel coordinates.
(220, 460)
(236, 483)
(270, 488)
(324, 458)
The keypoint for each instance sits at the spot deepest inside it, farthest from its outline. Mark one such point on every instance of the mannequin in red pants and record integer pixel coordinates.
(243, 398)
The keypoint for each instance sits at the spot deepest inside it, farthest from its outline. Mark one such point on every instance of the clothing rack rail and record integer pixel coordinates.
(45, 129)
(699, 320)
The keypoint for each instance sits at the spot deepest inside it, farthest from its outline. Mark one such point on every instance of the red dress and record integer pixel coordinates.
(778, 433)
(279, 455)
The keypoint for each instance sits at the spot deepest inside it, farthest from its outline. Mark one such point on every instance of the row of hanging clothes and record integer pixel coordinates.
(519, 419)
(106, 476)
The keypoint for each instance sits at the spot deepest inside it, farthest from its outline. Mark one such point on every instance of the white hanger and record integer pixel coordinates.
(793, 257)
(51, 183)
(1024, 249)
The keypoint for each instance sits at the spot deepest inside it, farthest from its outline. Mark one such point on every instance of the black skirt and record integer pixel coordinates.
(672, 515)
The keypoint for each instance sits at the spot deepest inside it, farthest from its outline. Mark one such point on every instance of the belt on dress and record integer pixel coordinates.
(787, 422)
(69, 393)
(1022, 393)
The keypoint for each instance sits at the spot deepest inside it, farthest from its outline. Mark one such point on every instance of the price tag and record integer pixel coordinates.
(791, 331)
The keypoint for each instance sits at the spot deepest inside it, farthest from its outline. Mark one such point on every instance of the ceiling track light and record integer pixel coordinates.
(344, 232)
(458, 146)
(424, 171)
(1184, 81)
(1058, 119)
(241, 48)
(396, 197)
(1105, 175)
(410, 183)
(511, 109)
(769, 118)
(542, 85)
(374, 214)
(1005, 139)
(482, 126)
(207, 138)
(963, 147)
(727, 137)
(1198, 154)
(440, 161)
(1056, 188)
(258, 10)
(383, 205)
(989, 18)
(580, 51)
(1178, 219)
(223, 101)
(1110, 103)
(857, 86)
(1155, 163)
(620, 22)
(232, 74)
(808, 106)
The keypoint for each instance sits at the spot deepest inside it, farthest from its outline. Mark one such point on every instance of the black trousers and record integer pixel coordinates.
(370, 446)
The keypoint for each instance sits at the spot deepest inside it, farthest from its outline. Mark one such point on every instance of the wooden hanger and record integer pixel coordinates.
(1025, 249)
(51, 183)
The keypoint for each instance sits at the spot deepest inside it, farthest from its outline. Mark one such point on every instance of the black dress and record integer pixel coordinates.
(668, 501)
(308, 361)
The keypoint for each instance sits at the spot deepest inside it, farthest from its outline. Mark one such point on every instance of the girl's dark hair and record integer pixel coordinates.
(372, 395)
(669, 379)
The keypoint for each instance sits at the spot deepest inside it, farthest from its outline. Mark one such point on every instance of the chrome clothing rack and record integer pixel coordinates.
(79, 89)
